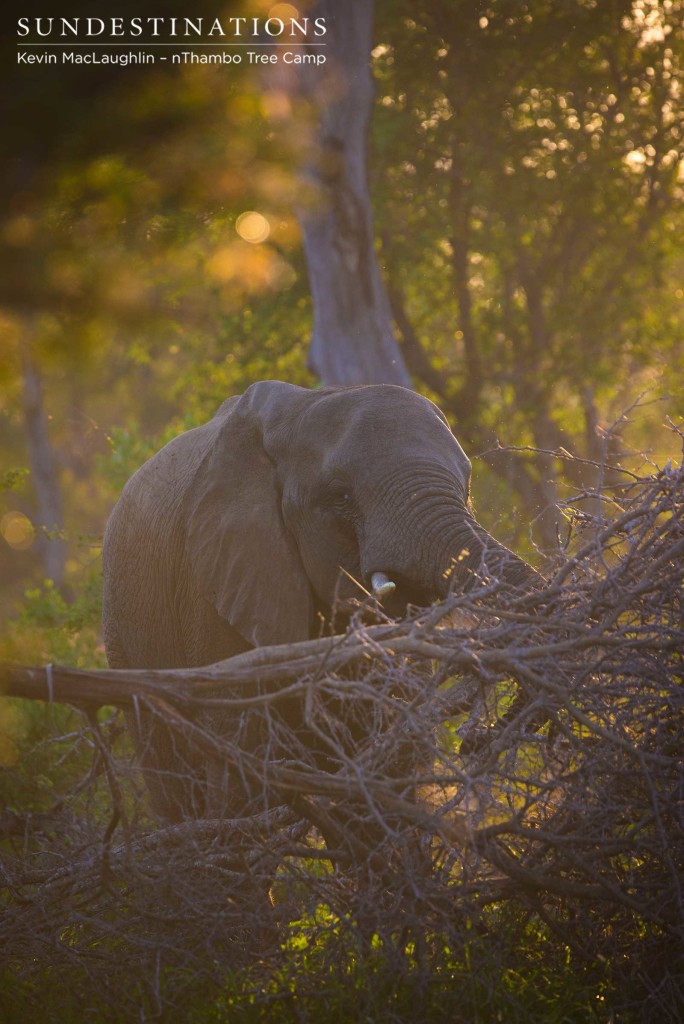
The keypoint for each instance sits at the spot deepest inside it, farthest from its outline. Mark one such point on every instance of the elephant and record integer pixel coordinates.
(282, 513)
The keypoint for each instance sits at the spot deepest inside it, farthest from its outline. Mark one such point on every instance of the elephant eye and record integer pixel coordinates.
(339, 500)
(342, 501)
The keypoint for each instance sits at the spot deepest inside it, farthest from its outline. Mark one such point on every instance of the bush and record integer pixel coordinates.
(481, 821)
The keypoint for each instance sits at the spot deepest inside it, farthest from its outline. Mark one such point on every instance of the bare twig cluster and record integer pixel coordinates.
(420, 787)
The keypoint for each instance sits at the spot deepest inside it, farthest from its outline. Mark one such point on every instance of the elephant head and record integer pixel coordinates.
(287, 506)
(311, 499)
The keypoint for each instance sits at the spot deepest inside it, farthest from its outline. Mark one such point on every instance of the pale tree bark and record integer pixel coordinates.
(353, 337)
(44, 470)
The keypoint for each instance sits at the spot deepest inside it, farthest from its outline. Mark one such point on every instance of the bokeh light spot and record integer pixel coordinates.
(283, 11)
(17, 529)
(252, 227)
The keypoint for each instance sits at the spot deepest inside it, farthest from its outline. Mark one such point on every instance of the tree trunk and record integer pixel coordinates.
(353, 338)
(44, 470)
(460, 203)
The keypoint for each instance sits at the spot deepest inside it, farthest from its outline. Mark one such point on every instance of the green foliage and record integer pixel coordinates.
(128, 451)
(13, 479)
(52, 628)
(49, 628)
(513, 974)
(34, 738)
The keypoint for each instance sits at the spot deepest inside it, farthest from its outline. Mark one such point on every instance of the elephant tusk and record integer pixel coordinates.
(382, 585)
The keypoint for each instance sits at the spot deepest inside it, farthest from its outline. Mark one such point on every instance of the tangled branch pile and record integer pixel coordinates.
(494, 767)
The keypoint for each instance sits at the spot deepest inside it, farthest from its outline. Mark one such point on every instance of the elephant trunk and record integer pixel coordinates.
(474, 556)
(431, 545)
(459, 558)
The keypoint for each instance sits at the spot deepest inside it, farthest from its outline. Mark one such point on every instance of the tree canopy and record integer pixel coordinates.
(526, 181)
(528, 162)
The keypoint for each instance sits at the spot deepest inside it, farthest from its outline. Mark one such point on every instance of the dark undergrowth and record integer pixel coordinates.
(481, 819)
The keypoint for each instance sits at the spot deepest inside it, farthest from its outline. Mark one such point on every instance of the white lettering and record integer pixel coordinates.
(92, 24)
(279, 29)
(262, 58)
(190, 57)
(36, 58)
(290, 57)
(120, 27)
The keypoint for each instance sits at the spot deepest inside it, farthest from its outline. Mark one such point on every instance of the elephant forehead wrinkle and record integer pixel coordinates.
(419, 481)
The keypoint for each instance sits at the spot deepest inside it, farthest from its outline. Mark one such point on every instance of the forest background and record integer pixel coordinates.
(525, 169)
(525, 174)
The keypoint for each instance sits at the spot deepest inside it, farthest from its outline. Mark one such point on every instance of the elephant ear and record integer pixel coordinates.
(244, 560)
